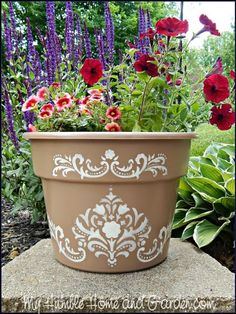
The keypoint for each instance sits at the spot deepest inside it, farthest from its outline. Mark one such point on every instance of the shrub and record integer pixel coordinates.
(205, 205)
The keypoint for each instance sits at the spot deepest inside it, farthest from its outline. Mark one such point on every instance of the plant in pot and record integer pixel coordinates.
(111, 146)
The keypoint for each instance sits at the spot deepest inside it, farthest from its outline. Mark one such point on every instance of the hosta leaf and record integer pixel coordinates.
(199, 202)
(205, 232)
(223, 164)
(195, 213)
(211, 172)
(181, 204)
(230, 186)
(224, 206)
(179, 218)
(208, 189)
(227, 175)
(188, 231)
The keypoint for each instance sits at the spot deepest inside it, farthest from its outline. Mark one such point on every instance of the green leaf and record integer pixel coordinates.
(230, 186)
(188, 230)
(179, 218)
(199, 202)
(205, 232)
(196, 213)
(208, 189)
(224, 206)
(31, 75)
(211, 172)
(183, 114)
(136, 127)
(136, 93)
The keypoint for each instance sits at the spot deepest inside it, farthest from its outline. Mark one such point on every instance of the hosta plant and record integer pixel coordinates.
(206, 196)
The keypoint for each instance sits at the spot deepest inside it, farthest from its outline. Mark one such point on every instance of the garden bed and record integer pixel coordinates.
(18, 235)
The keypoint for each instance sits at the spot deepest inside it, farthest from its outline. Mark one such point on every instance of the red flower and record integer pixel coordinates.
(31, 103)
(171, 26)
(64, 102)
(209, 26)
(31, 128)
(113, 113)
(47, 107)
(42, 93)
(216, 88)
(222, 116)
(91, 71)
(83, 101)
(131, 46)
(56, 85)
(112, 127)
(217, 67)
(45, 114)
(143, 64)
(150, 33)
(232, 75)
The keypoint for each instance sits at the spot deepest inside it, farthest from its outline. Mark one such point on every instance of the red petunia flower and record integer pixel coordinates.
(217, 67)
(113, 113)
(83, 110)
(209, 26)
(171, 26)
(222, 116)
(56, 85)
(143, 64)
(132, 46)
(64, 102)
(83, 101)
(46, 114)
(232, 75)
(31, 128)
(31, 103)
(47, 107)
(112, 127)
(150, 33)
(91, 71)
(42, 93)
(216, 88)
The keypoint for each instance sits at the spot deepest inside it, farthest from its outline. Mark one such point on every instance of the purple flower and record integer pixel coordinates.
(100, 46)
(78, 50)
(13, 26)
(87, 42)
(33, 55)
(7, 38)
(109, 29)
(149, 21)
(69, 29)
(10, 120)
(51, 46)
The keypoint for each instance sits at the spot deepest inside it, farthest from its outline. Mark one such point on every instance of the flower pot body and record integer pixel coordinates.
(110, 197)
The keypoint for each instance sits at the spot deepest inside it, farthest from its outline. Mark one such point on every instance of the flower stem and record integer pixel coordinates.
(143, 100)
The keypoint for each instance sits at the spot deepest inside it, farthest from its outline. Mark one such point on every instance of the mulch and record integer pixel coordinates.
(19, 234)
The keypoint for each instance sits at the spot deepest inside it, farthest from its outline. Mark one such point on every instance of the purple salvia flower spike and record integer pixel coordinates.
(149, 21)
(13, 27)
(69, 29)
(87, 42)
(7, 38)
(100, 47)
(109, 28)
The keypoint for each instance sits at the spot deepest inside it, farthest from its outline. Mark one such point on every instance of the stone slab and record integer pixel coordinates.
(188, 281)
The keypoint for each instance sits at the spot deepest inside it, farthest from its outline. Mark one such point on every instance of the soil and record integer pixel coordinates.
(19, 234)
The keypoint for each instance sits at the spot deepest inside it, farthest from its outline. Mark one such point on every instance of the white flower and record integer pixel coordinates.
(109, 154)
(111, 229)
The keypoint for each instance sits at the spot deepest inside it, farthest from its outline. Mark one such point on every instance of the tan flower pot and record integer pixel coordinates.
(110, 197)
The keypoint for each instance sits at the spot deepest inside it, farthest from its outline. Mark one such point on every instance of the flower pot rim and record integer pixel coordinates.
(110, 135)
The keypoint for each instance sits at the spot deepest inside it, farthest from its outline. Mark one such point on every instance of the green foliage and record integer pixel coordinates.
(206, 196)
(19, 185)
(208, 134)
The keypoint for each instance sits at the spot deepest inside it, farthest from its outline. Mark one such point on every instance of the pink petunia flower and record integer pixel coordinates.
(47, 107)
(31, 103)
(62, 103)
(46, 114)
(113, 127)
(31, 128)
(42, 93)
(113, 113)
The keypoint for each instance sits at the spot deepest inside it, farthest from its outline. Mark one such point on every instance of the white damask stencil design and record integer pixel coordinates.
(109, 162)
(111, 229)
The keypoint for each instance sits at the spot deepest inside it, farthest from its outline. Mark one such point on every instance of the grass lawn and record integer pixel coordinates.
(208, 134)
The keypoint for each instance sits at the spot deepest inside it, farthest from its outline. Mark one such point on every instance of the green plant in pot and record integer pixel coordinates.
(111, 144)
